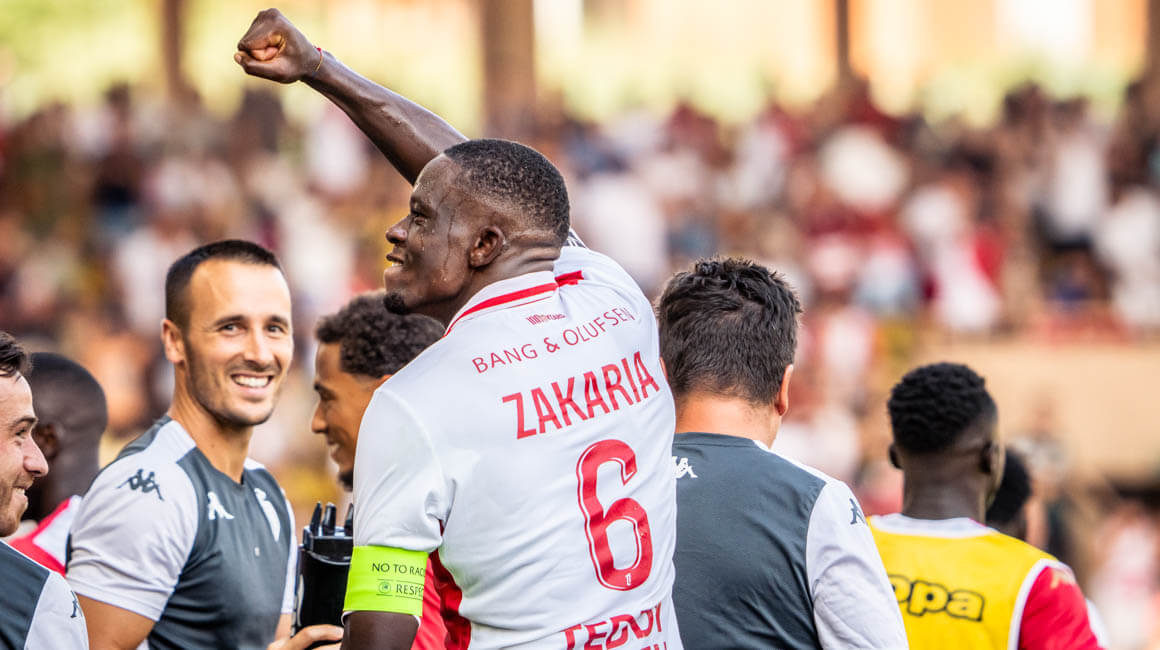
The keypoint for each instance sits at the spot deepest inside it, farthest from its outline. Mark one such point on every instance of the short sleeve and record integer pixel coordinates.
(1055, 615)
(58, 621)
(854, 604)
(291, 561)
(400, 495)
(579, 264)
(132, 536)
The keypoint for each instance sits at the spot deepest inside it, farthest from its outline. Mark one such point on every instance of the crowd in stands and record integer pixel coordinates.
(1044, 223)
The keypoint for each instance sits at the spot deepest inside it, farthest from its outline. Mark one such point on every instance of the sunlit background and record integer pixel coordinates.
(974, 181)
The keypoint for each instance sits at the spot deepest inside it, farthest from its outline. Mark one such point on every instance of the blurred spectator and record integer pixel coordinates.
(894, 229)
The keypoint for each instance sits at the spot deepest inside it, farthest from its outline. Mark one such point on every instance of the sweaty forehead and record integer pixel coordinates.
(438, 185)
(221, 287)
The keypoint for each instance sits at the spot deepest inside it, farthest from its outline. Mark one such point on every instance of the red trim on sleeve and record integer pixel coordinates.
(33, 552)
(458, 628)
(432, 634)
(1055, 616)
(570, 278)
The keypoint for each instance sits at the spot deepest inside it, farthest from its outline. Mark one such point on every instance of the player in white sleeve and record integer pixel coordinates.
(528, 451)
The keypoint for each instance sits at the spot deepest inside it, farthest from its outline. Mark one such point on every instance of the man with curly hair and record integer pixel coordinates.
(959, 583)
(359, 348)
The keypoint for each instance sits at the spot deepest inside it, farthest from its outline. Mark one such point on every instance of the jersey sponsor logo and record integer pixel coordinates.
(856, 513)
(615, 631)
(919, 597)
(597, 392)
(145, 484)
(536, 319)
(270, 512)
(682, 468)
(215, 508)
(569, 337)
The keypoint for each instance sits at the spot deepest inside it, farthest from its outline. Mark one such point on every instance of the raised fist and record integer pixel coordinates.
(274, 49)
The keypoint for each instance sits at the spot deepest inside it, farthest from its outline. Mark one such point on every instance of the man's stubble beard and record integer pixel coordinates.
(201, 390)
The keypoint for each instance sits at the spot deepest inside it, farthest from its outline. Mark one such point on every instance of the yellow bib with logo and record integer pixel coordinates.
(957, 591)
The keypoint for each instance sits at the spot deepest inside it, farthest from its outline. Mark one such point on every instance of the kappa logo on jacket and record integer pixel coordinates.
(682, 468)
(145, 484)
(215, 507)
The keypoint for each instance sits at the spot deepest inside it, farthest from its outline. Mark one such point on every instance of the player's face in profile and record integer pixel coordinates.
(238, 344)
(342, 399)
(20, 458)
(429, 261)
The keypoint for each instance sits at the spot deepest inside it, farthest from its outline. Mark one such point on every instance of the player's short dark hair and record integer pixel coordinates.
(934, 404)
(517, 175)
(1013, 493)
(180, 273)
(373, 341)
(13, 359)
(64, 391)
(728, 327)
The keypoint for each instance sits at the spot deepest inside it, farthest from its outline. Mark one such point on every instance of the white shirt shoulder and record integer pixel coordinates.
(136, 527)
(400, 504)
(854, 604)
(58, 621)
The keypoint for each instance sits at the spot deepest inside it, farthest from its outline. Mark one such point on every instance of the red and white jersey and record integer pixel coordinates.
(531, 449)
(46, 543)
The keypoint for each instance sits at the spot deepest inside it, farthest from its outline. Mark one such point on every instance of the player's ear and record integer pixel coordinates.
(173, 342)
(489, 243)
(992, 458)
(781, 401)
(48, 439)
(892, 452)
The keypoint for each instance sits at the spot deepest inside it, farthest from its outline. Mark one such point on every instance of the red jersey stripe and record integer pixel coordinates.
(458, 628)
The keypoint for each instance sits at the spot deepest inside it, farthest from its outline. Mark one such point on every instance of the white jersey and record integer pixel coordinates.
(531, 448)
(37, 609)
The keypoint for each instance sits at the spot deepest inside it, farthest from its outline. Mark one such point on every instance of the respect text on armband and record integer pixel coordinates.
(386, 580)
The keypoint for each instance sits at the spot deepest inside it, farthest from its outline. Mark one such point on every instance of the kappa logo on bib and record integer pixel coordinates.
(919, 597)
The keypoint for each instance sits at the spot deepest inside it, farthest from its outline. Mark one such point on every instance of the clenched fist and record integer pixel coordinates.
(274, 49)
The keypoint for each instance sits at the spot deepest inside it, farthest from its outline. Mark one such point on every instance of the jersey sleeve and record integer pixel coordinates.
(1055, 614)
(399, 487)
(58, 621)
(291, 561)
(132, 537)
(578, 264)
(854, 604)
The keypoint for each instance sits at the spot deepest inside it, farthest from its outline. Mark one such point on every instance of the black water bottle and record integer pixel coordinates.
(323, 564)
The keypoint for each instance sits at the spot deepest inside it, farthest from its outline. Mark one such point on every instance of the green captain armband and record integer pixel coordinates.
(384, 579)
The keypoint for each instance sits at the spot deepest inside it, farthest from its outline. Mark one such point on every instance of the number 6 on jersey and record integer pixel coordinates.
(597, 519)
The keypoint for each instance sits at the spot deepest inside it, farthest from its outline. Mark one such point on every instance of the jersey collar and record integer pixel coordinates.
(505, 294)
(954, 527)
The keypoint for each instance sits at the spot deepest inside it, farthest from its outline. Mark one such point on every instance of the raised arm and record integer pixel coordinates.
(407, 134)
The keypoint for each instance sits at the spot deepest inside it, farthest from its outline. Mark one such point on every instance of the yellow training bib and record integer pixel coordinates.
(959, 585)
